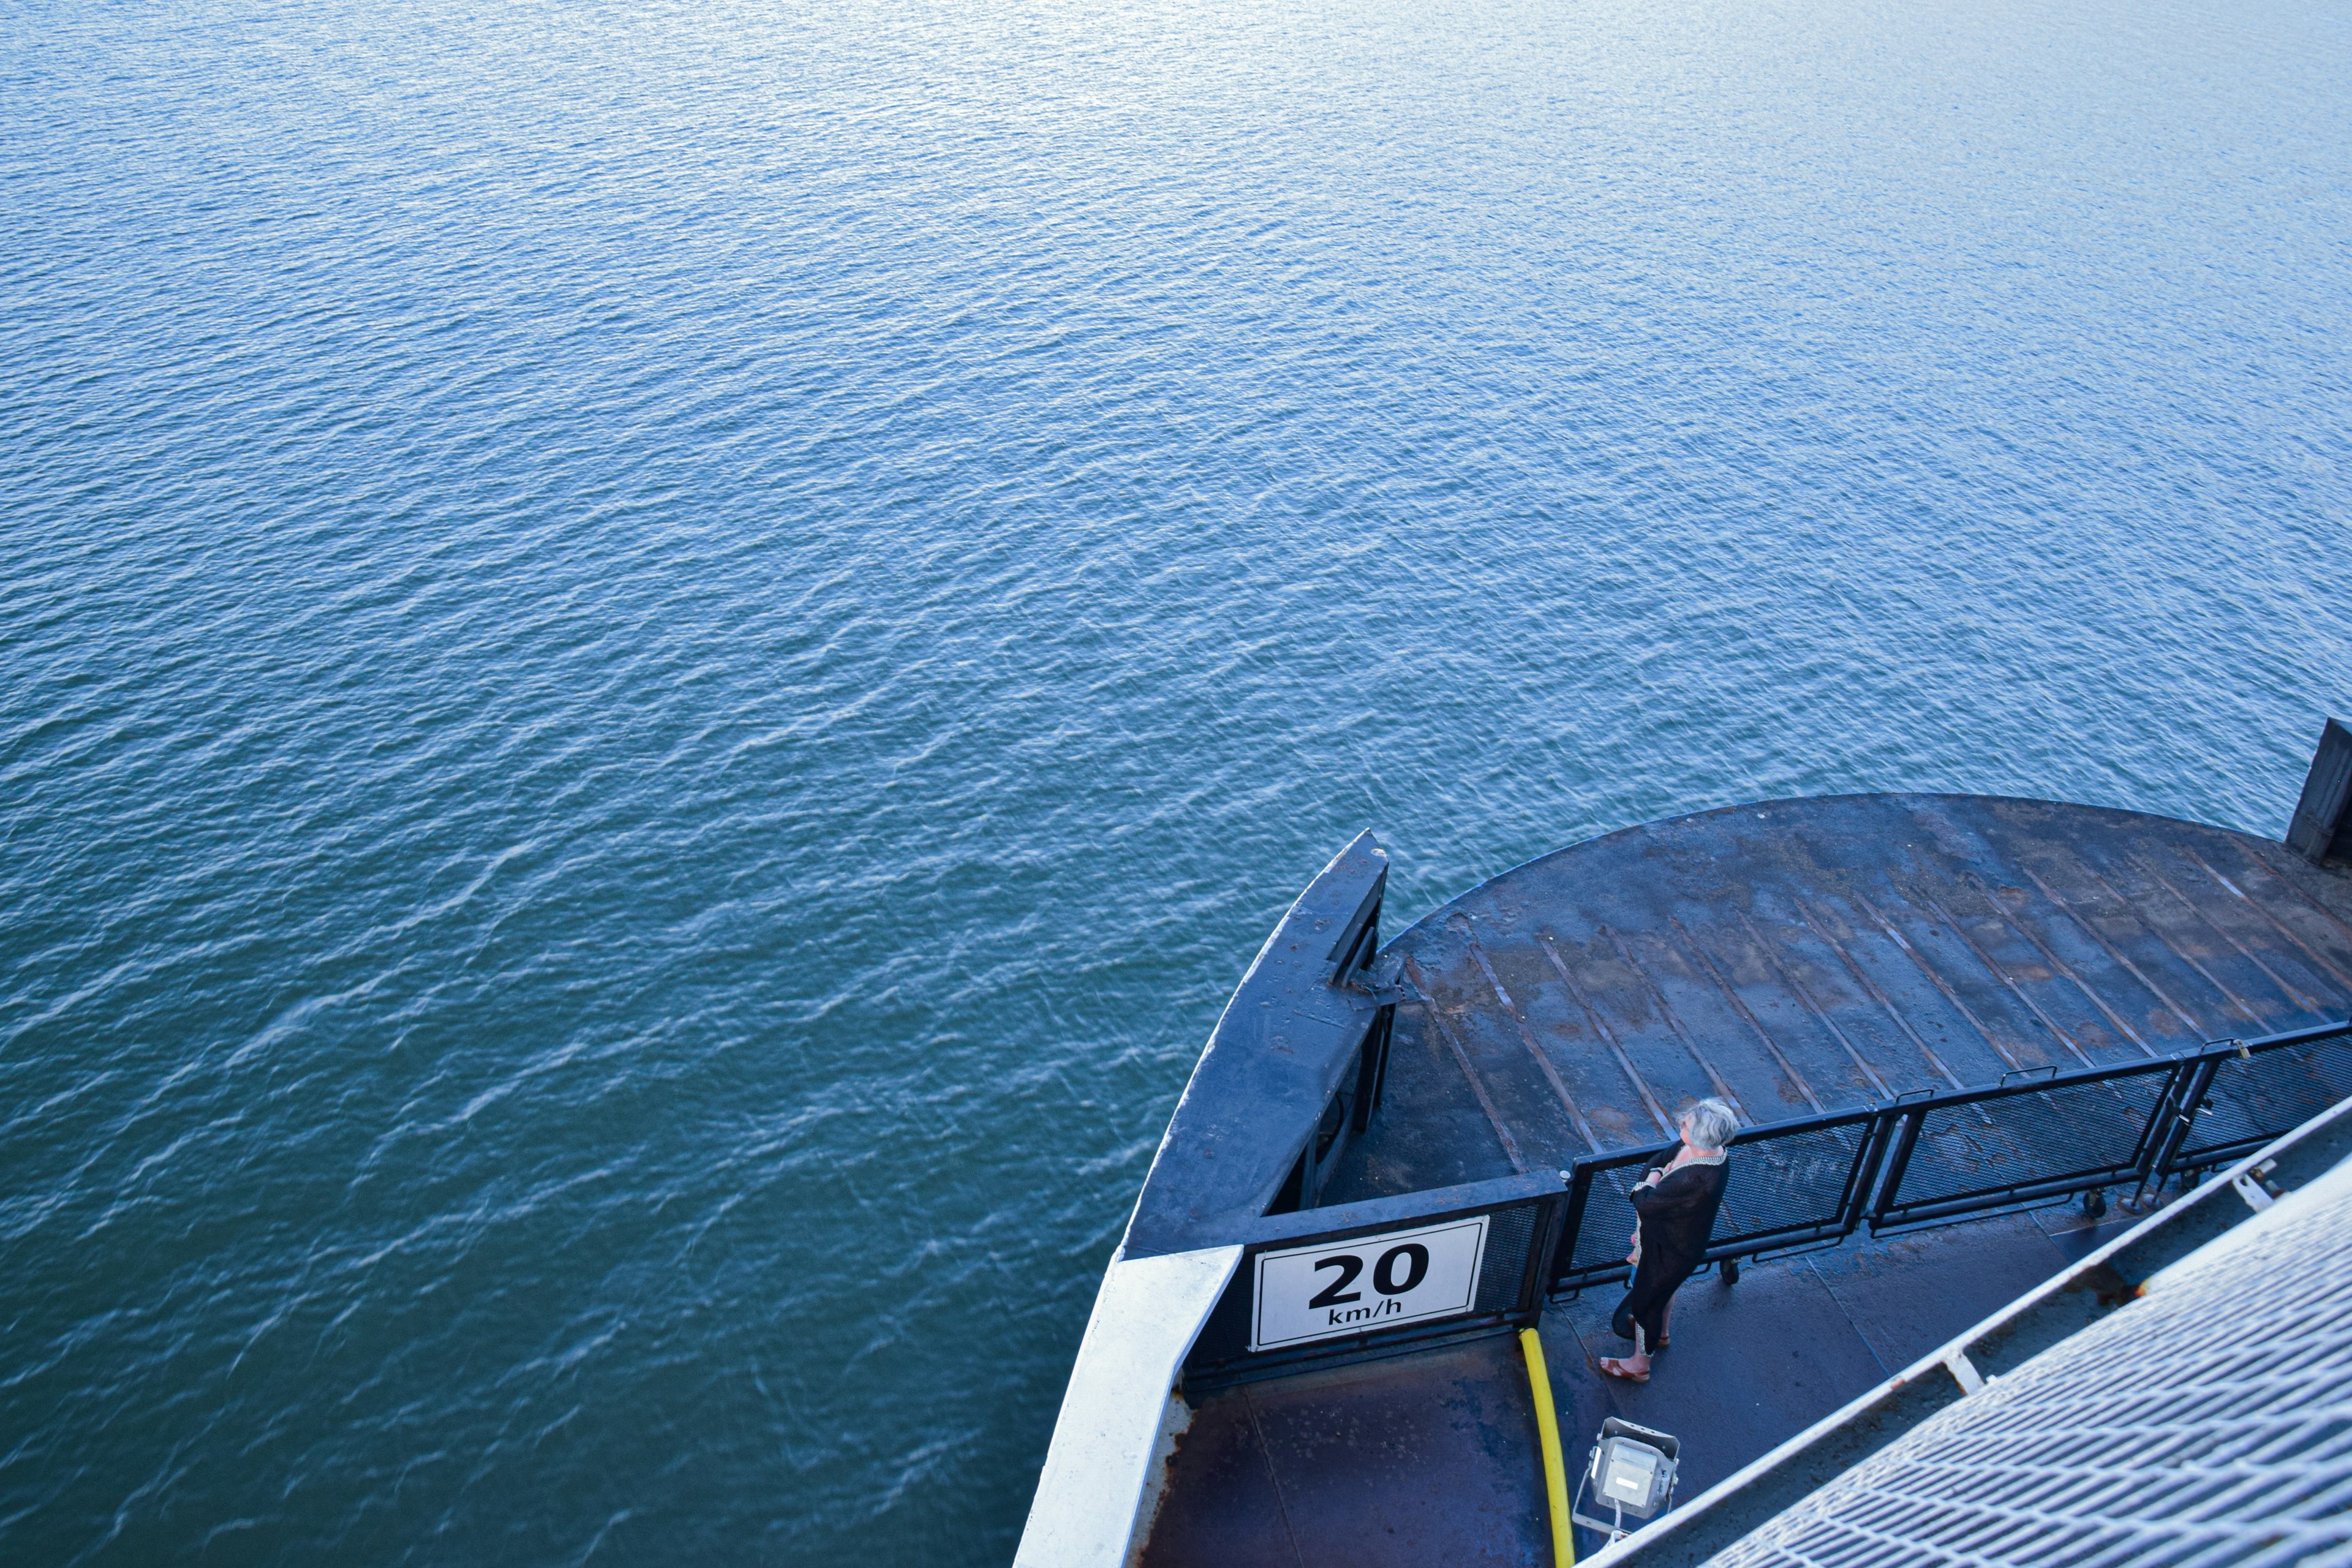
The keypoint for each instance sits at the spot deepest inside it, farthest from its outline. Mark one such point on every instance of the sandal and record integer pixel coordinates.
(1610, 1366)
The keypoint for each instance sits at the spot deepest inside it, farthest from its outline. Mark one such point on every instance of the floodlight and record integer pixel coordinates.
(1633, 1475)
(1633, 1470)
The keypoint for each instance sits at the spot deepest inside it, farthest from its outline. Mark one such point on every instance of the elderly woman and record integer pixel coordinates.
(1674, 1208)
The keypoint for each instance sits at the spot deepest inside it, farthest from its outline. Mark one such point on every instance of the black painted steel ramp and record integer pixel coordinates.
(1813, 955)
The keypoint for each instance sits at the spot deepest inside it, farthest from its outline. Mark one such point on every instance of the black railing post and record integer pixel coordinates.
(1563, 1253)
(1542, 1248)
(2175, 1114)
(1906, 1140)
(1867, 1165)
(2195, 1083)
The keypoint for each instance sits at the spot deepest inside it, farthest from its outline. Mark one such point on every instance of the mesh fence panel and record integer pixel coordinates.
(1976, 1152)
(2272, 1094)
(1607, 1234)
(1510, 1232)
(1796, 1180)
(2068, 1132)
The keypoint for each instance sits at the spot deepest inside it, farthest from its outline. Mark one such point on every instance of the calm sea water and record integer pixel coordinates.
(658, 662)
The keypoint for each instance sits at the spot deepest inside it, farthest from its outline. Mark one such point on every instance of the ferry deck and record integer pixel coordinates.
(1970, 1040)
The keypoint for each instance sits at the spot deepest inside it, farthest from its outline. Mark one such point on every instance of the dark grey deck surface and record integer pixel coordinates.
(1821, 954)
(1423, 1459)
(1791, 957)
(1433, 1458)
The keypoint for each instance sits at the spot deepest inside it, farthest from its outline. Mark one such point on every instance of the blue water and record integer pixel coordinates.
(658, 662)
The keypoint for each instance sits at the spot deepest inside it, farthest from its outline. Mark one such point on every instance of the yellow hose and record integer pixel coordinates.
(1563, 1538)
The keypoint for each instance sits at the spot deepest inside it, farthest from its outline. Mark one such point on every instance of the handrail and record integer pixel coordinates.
(2161, 1101)
(1805, 1183)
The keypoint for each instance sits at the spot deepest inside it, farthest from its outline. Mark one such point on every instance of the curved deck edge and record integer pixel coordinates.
(1777, 802)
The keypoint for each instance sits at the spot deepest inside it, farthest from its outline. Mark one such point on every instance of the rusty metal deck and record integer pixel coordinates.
(1819, 955)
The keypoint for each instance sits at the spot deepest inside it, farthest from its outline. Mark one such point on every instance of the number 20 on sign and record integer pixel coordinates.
(1367, 1282)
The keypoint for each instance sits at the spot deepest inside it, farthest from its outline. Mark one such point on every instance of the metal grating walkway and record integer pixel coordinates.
(2210, 1421)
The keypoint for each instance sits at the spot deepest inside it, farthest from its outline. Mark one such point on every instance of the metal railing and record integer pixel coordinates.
(2034, 1139)
(1793, 1185)
(1356, 1281)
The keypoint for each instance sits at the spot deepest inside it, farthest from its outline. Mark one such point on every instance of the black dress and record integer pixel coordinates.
(1677, 1216)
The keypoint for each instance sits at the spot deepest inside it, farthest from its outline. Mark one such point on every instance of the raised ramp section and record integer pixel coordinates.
(1798, 957)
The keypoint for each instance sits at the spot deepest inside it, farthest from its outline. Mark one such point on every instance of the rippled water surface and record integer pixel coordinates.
(658, 662)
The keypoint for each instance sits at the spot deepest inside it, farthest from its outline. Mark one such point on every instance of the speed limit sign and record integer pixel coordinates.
(1367, 1282)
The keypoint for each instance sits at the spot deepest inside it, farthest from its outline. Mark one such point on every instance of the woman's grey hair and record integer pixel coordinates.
(1710, 1123)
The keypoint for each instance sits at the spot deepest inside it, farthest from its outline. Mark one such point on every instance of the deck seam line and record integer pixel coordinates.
(2156, 874)
(2115, 953)
(1667, 1011)
(2297, 888)
(1741, 1007)
(1805, 914)
(1461, 1059)
(1281, 1508)
(1601, 1027)
(1813, 1265)
(2326, 963)
(1993, 898)
(1995, 970)
(1975, 883)
(1936, 979)
(2170, 946)
(1801, 994)
(1527, 1038)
